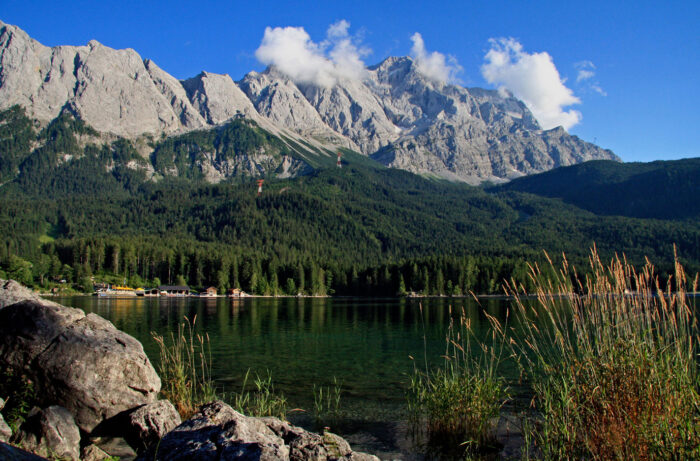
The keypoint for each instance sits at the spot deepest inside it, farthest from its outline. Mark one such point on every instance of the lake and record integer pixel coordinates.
(364, 344)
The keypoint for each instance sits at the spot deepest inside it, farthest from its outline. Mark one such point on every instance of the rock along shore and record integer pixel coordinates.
(93, 384)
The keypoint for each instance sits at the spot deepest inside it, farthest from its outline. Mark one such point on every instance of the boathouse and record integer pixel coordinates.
(209, 292)
(236, 293)
(174, 290)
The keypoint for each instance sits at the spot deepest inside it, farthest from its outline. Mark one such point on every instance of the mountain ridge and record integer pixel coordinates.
(402, 118)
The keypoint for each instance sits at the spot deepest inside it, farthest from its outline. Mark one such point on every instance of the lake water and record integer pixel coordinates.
(364, 344)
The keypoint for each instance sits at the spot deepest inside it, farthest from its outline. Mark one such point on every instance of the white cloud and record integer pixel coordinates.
(291, 50)
(586, 72)
(533, 78)
(434, 65)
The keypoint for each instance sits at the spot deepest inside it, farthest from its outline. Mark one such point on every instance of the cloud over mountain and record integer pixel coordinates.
(434, 65)
(291, 50)
(533, 78)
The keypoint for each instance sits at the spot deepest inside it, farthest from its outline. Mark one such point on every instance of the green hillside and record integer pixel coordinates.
(662, 189)
(73, 209)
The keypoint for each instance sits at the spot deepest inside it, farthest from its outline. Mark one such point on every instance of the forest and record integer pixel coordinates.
(79, 208)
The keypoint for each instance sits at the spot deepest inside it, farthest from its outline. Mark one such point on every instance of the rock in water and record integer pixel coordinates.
(80, 362)
(51, 432)
(218, 432)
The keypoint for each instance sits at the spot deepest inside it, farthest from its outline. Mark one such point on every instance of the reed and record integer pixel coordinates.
(262, 400)
(185, 368)
(612, 358)
(327, 403)
(458, 403)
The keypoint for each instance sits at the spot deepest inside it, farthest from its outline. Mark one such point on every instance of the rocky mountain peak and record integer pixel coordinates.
(395, 114)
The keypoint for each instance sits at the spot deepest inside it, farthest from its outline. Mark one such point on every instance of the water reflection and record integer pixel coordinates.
(364, 343)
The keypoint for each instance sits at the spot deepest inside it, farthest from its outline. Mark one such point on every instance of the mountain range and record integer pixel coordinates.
(395, 114)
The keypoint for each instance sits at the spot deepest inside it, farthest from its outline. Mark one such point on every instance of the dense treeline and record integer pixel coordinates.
(150, 261)
(74, 208)
(661, 189)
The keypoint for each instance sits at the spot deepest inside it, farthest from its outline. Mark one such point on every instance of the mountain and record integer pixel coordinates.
(395, 114)
(660, 190)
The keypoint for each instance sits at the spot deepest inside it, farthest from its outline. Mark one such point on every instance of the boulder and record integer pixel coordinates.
(5, 431)
(147, 424)
(13, 292)
(305, 445)
(94, 453)
(80, 362)
(218, 432)
(115, 447)
(51, 432)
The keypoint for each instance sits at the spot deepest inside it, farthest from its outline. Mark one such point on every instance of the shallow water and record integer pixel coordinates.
(365, 344)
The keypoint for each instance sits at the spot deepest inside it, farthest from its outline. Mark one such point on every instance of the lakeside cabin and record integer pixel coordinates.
(174, 290)
(236, 293)
(209, 293)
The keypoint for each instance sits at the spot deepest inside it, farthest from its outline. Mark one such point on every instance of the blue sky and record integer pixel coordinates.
(641, 100)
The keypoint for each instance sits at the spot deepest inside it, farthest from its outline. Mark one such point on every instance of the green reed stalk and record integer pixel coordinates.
(327, 403)
(613, 362)
(263, 401)
(458, 404)
(185, 368)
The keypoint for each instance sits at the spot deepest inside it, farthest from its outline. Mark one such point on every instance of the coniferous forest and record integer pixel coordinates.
(79, 207)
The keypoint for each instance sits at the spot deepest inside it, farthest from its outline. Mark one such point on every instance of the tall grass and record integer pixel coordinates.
(262, 401)
(458, 404)
(185, 368)
(613, 362)
(327, 403)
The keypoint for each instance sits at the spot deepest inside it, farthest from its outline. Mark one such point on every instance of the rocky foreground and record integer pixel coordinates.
(97, 397)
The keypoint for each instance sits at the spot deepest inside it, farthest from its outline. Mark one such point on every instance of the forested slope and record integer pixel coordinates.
(75, 205)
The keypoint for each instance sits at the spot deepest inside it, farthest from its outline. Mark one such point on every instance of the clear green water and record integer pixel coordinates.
(366, 344)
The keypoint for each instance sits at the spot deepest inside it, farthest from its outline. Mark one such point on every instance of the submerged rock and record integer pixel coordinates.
(218, 432)
(51, 432)
(80, 362)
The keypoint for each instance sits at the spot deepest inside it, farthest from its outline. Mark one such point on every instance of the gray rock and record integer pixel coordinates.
(5, 430)
(406, 120)
(93, 453)
(217, 98)
(12, 292)
(116, 447)
(149, 423)
(109, 89)
(51, 432)
(219, 432)
(11, 453)
(82, 363)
